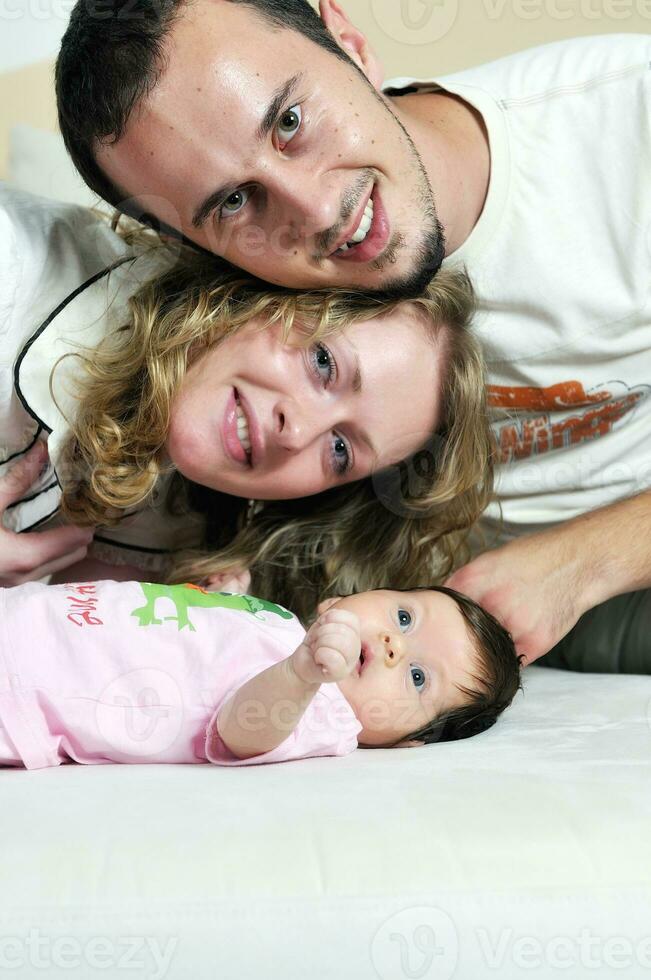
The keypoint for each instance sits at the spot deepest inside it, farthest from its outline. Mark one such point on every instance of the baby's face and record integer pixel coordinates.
(415, 649)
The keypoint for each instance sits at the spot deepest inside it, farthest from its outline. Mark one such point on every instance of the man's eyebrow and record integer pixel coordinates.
(278, 101)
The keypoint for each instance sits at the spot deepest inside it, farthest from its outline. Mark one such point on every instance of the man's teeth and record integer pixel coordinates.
(363, 228)
(243, 429)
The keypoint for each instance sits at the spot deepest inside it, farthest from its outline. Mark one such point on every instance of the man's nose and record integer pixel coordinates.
(307, 208)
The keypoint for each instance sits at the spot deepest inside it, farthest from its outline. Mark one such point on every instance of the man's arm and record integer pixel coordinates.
(540, 585)
(281, 694)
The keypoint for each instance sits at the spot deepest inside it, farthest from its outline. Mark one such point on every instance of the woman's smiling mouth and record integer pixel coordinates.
(237, 430)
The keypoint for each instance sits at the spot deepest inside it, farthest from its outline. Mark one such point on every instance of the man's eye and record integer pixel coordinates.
(418, 677)
(289, 123)
(234, 202)
(404, 619)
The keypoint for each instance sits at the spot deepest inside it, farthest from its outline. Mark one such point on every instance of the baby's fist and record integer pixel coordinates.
(331, 648)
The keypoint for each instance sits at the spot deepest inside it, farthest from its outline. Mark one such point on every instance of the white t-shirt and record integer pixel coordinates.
(65, 278)
(561, 260)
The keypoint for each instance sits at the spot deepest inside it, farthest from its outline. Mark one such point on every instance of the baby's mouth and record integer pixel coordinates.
(365, 658)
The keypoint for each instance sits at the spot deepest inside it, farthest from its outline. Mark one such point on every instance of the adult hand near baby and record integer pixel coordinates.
(536, 586)
(33, 555)
(331, 648)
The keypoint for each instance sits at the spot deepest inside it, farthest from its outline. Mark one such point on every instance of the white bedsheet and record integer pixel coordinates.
(524, 852)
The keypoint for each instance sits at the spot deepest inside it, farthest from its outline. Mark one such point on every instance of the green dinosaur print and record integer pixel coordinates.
(186, 597)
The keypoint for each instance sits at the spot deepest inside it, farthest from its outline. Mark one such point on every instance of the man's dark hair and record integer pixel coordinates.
(498, 676)
(111, 57)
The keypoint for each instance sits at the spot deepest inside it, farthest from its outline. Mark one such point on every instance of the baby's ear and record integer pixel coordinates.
(408, 743)
(327, 604)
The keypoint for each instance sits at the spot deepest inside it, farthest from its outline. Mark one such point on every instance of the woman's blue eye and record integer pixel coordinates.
(340, 455)
(404, 619)
(418, 677)
(324, 363)
(290, 123)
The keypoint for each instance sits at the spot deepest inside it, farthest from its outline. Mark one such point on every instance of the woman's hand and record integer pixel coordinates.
(330, 650)
(31, 556)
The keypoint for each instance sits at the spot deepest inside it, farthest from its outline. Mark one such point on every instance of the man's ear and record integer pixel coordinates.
(326, 604)
(352, 41)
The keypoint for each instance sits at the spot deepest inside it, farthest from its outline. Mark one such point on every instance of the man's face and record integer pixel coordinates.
(265, 148)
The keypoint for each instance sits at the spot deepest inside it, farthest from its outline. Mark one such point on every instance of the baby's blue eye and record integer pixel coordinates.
(404, 619)
(418, 677)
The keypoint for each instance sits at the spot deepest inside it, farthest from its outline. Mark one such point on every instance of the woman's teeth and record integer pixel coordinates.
(243, 429)
(363, 228)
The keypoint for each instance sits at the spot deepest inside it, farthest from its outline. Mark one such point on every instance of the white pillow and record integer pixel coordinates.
(39, 163)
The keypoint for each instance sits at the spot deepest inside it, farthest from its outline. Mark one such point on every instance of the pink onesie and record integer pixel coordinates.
(134, 672)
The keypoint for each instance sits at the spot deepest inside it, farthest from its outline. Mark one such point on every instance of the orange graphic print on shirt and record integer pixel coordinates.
(562, 415)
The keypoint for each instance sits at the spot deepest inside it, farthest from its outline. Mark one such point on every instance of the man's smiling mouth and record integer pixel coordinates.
(369, 239)
(362, 231)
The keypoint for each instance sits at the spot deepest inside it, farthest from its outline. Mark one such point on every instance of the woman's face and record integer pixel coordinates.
(258, 418)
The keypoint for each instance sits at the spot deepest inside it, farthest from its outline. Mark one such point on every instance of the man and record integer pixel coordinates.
(261, 133)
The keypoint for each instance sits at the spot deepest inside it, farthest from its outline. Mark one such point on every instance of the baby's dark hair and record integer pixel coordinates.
(497, 676)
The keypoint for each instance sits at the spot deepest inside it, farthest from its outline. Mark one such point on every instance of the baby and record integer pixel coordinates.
(140, 673)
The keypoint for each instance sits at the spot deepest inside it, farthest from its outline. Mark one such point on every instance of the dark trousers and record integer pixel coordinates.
(613, 638)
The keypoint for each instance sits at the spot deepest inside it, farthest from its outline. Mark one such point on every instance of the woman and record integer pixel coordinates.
(252, 392)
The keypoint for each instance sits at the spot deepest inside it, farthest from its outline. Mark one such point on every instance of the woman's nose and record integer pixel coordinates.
(296, 427)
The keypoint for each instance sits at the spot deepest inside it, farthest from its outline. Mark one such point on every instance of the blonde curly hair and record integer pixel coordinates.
(405, 526)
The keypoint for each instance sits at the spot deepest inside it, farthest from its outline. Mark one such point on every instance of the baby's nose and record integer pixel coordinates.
(392, 648)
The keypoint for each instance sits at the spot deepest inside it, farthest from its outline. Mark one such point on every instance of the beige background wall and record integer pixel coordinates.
(417, 37)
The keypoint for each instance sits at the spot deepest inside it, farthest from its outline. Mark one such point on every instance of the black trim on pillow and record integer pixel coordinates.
(132, 547)
(43, 426)
(40, 521)
(45, 325)
(26, 500)
(23, 452)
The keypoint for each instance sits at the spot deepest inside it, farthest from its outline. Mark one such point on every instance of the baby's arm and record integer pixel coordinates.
(328, 653)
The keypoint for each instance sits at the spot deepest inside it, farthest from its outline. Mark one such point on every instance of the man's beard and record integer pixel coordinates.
(430, 251)
(429, 257)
